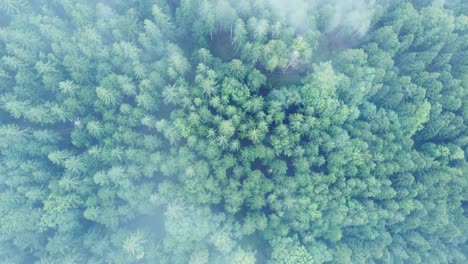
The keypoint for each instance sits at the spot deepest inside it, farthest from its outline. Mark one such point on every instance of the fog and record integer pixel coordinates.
(351, 16)
(221, 131)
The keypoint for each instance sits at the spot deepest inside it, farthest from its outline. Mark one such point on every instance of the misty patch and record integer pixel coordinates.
(344, 17)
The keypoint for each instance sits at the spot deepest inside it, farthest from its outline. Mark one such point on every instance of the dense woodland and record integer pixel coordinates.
(233, 131)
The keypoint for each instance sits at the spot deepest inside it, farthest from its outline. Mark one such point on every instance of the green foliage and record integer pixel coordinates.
(201, 131)
(13, 7)
(288, 251)
(133, 245)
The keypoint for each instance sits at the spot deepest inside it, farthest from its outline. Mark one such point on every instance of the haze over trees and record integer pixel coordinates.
(233, 131)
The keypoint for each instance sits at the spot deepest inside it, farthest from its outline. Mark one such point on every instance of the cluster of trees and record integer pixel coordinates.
(220, 131)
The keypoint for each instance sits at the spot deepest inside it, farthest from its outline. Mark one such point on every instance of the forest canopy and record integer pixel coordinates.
(233, 131)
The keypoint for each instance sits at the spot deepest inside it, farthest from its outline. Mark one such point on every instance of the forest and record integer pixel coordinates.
(233, 131)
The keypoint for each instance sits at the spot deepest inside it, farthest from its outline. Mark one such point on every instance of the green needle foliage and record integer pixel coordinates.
(233, 131)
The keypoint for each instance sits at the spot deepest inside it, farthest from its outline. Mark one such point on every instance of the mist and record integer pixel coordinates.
(232, 131)
(353, 17)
